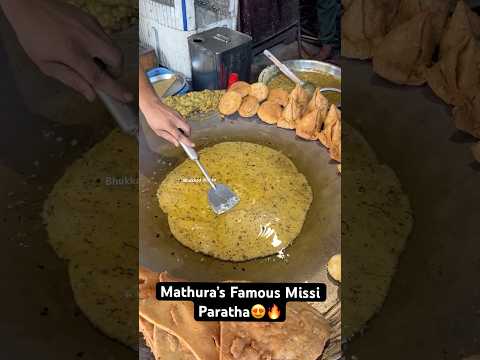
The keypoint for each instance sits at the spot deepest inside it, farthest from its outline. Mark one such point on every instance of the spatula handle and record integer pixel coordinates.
(191, 153)
(124, 114)
(282, 67)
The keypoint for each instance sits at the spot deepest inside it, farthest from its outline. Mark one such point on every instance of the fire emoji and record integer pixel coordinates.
(274, 312)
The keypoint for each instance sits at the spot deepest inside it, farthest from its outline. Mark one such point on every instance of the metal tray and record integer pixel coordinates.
(301, 65)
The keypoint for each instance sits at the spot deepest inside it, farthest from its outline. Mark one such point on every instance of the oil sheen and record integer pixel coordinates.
(274, 200)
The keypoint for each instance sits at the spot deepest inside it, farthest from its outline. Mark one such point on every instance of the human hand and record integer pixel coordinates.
(167, 123)
(63, 42)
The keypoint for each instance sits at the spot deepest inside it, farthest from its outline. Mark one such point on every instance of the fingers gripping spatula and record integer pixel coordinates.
(220, 197)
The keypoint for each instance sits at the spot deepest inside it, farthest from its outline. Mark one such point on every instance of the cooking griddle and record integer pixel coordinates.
(305, 259)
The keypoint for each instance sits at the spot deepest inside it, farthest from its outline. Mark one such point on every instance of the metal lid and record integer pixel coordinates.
(219, 39)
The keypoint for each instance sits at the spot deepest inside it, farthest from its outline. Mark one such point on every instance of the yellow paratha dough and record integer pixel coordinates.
(105, 288)
(376, 222)
(274, 200)
(91, 218)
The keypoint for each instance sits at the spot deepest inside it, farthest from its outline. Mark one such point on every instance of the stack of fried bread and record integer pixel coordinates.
(312, 117)
(171, 332)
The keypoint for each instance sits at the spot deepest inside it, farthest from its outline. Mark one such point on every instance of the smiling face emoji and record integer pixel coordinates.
(258, 311)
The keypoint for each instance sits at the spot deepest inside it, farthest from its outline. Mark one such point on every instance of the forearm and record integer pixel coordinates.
(164, 121)
(147, 95)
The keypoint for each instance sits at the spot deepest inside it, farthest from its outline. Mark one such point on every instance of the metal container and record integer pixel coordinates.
(218, 53)
(180, 86)
(301, 65)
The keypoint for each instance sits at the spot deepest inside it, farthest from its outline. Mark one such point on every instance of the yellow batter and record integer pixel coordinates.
(274, 200)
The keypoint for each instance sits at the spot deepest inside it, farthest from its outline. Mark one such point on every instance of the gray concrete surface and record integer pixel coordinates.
(433, 308)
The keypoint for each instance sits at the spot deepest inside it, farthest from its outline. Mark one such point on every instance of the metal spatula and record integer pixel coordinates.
(220, 197)
(307, 86)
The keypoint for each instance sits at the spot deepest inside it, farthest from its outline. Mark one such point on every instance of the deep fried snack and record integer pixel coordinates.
(318, 101)
(455, 78)
(249, 106)
(230, 103)
(467, 116)
(300, 96)
(408, 9)
(463, 24)
(290, 114)
(303, 335)
(241, 87)
(476, 151)
(336, 148)
(309, 125)
(334, 267)
(259, 90)
(278, 96)
(269, 112)
(405, 53)
(364, 25)
(325, 136)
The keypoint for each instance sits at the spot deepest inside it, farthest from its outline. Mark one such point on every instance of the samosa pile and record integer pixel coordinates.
(403, 39)
(312, 117)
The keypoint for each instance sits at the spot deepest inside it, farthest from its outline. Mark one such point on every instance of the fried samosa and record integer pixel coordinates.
(336, 146)
(279, 96)
(300, 96)
(463, 24)
(408, 9)
(318, 101)
(290, 114)
(405, 53)
(476, 151)
(456, 77)
(364, 24)
(467, 116)
(309, 125)
(326, 135)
